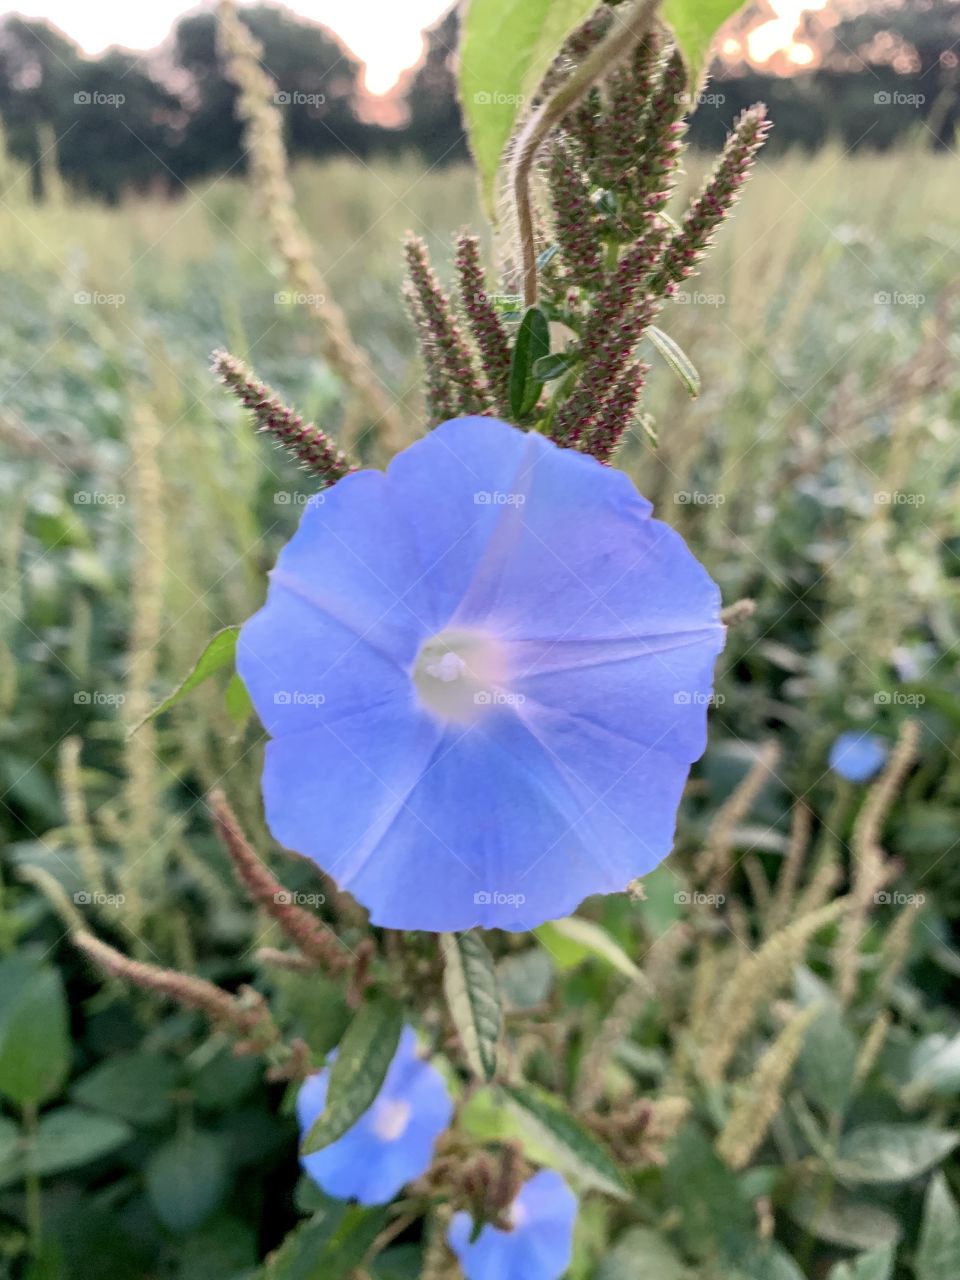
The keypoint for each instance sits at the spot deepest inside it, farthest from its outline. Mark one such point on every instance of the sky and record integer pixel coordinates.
(385, 34)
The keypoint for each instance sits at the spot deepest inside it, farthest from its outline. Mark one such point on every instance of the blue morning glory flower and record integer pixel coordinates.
(858, 756)
(538, 1248)
(392, 1142)
(485, 674)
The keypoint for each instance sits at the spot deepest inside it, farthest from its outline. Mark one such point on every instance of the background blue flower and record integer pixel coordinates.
(485, 674)
(392, 1142)
(538, 1248)
(858, 756)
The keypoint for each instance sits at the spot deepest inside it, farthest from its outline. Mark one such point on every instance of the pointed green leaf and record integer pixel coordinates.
(554, 366)
(68, 1137)
(506, 47)
(574, 1150)
(676, 358)
(187, 1178)
(695, 23)
(219, 652)
(843, 1220)
(938, 1253)
(328, 1246)
(532, 343)
(881, 1153)
(571, 941)
(470, 985)
(358, 1071)
(237, 700)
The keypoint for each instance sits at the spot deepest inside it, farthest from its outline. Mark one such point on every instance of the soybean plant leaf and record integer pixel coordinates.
(358, 1071)
(470, 985)
(676, 358)
(187, 1179)
(695, 23)
(935, 1066)
(575, 1150)
(34, 1036)
(134, 1086)
(828, 1061)
(882, 1153)
(532, 344)
(938, 1253)
(220, 651)
(506, 47)
(68, 1137)
(571, 941)
(875, 1265)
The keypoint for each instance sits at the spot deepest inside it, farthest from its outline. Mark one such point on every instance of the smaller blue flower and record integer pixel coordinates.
(392, 1143)
(858, 756)
(538, 1248)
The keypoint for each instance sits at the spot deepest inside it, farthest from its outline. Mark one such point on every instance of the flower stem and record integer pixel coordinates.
(622, 37)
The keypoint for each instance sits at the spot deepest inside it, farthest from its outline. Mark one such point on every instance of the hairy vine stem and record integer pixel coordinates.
(604, 57)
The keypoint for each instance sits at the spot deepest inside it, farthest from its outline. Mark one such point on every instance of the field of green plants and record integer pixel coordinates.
(778, 1087)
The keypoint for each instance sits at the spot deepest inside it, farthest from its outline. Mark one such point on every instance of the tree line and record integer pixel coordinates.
(162, 120)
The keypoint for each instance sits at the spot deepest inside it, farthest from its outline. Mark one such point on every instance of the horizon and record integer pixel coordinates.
(388, 46)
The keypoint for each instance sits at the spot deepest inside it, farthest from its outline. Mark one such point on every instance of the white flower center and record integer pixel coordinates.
(517, 1214)
(458, 675)
(391, 1119)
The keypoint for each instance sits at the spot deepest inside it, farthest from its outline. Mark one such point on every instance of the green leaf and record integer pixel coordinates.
(828, 1061)
(356, 1077)
(506, 47)
(695, 23)
(187, 1178)
(327, 1247)
(676, 358)
(220, 652)
(532, 344)
(525, 979)
(875, 1265)
(237, 700)
(68, 1137)
(470, 985)
(843, 1220)
(881, 1153)
(935, 1066)
(708, 1199)
(574, 1149)
(34, 1032)
(554, 366)
(135, 1086)
(938, 1253)
(571, 941)
(642, 1254)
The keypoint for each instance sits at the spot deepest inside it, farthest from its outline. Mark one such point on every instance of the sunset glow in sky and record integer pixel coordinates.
(385, 34)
